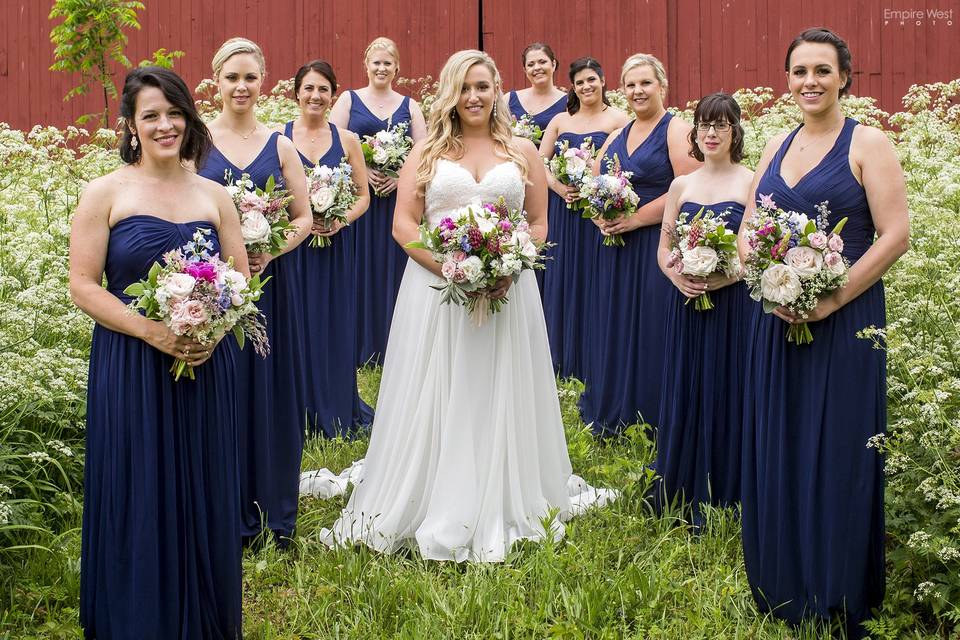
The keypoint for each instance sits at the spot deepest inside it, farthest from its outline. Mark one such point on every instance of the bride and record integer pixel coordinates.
(468, 453)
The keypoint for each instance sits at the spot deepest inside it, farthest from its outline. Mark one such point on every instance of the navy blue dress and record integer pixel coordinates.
(380, 261)
(541, 119)
(160, 553)
(813, 524)
(567, 277)
(334, 407)
(624, 345)
(700, 425)
(271, 390)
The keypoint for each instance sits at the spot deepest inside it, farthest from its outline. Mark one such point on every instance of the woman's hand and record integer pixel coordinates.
(500, 288)
(824, 308)
(160, 337)
(258, 262)
(717, 281)
(569, 193)
(689, 286)
(326, 228)
(619, 225)
(381, 182)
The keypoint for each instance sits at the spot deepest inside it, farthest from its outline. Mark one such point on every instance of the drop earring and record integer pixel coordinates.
(134, 143)
(494, 109)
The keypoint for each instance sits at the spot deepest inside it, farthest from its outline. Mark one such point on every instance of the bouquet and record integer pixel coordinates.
(263, 213)
(198, 295)
(525, 127)
(571, 166)
(609, 196)
(332, 194)
(386, 150)
(476, 245)
(793, 261)
(703, 246)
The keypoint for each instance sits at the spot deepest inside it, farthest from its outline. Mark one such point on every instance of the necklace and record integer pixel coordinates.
(819, 138)
(252, 131)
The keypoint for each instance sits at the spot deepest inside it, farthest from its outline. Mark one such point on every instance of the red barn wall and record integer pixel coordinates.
(706, 45)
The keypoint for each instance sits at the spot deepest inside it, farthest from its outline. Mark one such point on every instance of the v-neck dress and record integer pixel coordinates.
(380, 261)
(625, 348)
(271, 389)
(812, 498)
(334, 407)
(541, 119)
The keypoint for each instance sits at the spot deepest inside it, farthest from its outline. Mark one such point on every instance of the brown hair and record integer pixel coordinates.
(714, 107)
(825, 36)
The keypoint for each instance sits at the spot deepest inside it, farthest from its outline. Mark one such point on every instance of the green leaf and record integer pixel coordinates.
(135, 289)
(239, 335)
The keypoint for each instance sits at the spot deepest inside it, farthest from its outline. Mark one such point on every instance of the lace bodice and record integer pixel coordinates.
(453, 186)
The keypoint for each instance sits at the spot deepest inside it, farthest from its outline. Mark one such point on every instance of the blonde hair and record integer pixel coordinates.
(236, 46)
(640, 59)
(444, 131)
(383, 44)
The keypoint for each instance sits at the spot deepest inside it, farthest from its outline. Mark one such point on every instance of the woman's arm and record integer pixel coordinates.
(751, 205)
(340, 113)
(418, 125)
(409, 212)
(535, 195)
(351, 144)
(689, 287)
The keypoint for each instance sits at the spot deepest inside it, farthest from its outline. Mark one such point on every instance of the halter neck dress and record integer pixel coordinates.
(813, 528)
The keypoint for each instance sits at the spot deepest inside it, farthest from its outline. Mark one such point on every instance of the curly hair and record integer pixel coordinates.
(444, 132)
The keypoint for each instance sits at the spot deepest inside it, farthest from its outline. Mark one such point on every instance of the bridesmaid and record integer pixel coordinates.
(624, 347)
(699, 429)
(567, 277)
(379, 260)
(160, 554)
(271, 390)
(813, 530)
(542, 100)
(334, 407)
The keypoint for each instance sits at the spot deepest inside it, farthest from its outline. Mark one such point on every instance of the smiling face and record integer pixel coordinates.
(159, 125)
(239, 82)
(539, 67)
(315, 95)
(589, 86)
(381, 68)
(643, 90)
(814, 77)
(476, 96)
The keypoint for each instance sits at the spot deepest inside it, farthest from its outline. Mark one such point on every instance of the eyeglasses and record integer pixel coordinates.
(719, 127)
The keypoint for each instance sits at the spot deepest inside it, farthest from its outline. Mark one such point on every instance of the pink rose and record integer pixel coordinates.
(459, 276)
(817, 240)
(459, 256)
(834, 262)
(835, 242)
(186, 314)
(448, 269)
(252, 202)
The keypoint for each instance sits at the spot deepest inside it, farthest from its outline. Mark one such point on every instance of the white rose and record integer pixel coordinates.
(323, 172)
(520, 238)
(781, 284)
(380, 155)
(177, 286)
(700, 261)
(611, 183)
(472, 268)
(321, 199)
(806, 261)
(529, 250)
(235, 280)
(254, 227)
(384, 137)
(576, 166)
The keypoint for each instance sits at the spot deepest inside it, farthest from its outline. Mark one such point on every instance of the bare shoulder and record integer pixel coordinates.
(560, 121)
(868, 139)
(678, 125)
(527, 148)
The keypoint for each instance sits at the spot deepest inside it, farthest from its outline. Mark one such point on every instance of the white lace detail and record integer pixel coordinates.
(453, 185)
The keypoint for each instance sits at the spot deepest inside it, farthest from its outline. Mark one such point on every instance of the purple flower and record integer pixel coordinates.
(767, 201)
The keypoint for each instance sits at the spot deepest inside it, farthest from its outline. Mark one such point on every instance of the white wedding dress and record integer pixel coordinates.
(467, 453)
